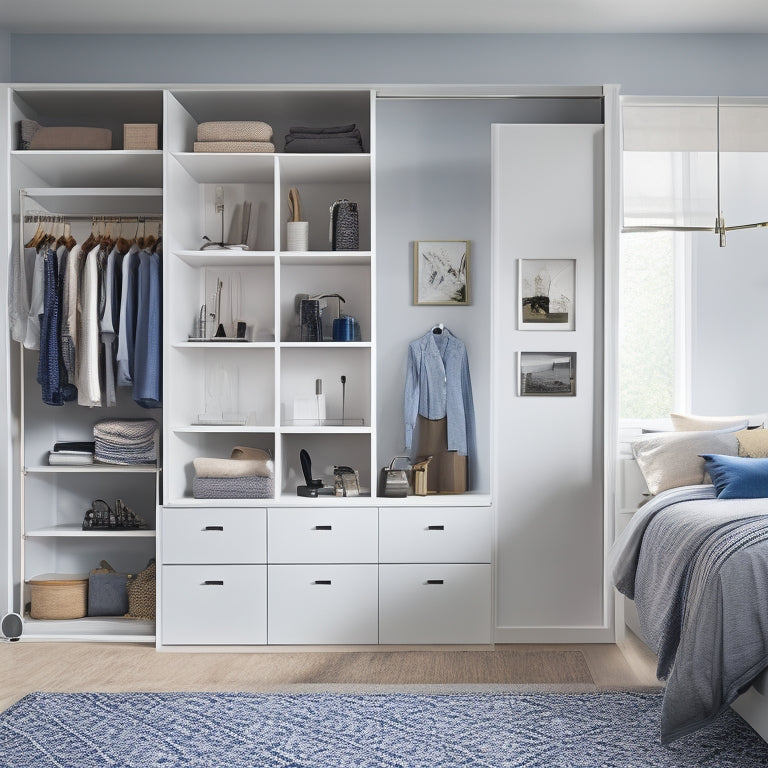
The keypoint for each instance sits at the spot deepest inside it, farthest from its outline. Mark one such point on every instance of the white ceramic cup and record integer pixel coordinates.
(297, 235)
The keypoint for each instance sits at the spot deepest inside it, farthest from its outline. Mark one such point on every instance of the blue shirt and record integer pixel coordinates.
(147, 356)
(437, 384)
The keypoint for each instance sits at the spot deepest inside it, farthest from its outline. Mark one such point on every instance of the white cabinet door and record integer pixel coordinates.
(332, 535)
(435, 603)
(214, 535)
(214, 605)
(435, 535)
(323, 604)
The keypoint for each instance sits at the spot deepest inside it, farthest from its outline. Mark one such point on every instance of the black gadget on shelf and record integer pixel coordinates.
(312, 487)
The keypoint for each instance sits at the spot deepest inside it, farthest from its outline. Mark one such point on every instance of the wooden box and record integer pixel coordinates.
(140, 136)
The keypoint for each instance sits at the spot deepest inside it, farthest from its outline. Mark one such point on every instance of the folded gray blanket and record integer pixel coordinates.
(254, 487)
(320, 145)
(125, 441)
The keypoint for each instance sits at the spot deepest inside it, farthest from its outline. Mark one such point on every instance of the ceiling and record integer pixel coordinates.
(385, 16)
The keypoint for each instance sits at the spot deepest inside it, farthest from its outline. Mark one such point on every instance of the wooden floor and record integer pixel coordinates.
(27, 666)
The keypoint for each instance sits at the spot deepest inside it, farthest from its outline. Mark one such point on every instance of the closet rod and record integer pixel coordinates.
(110, 217)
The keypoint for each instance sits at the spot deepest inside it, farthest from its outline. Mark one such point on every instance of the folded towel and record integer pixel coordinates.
(353, 134)
(234, 130)
(205, 467)
(330, 129)
(233, 146)
(323, 145)
(233, 488)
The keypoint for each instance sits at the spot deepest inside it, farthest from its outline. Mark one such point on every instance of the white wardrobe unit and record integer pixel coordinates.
(553, 522)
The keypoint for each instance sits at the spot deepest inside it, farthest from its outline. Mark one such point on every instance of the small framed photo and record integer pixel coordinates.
(441, 272)
(547, 374)
(546, 294)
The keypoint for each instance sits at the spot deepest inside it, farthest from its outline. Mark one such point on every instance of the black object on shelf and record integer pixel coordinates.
(312, 486)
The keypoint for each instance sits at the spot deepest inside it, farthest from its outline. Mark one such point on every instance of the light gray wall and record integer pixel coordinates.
(642, 64)
(5, 56)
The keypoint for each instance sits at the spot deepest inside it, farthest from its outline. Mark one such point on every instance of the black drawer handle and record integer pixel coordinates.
(435, 581)
(323, 527)
(213, 528)
(213, 583)
(435, 527)
(322, 581)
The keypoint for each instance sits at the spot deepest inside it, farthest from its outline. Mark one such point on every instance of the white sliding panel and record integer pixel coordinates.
(548, 472)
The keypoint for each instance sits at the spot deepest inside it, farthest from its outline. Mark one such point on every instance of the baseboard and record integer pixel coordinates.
(554, 635)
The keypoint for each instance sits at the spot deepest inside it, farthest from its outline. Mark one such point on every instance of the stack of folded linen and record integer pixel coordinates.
(338, 138)
(234, 136)
(247, 474)
(125, 441)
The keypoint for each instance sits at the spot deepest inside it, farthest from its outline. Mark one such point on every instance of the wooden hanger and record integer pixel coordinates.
(37, 235)
(91, 239)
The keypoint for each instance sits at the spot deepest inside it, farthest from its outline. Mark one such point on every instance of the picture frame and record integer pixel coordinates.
(546, 294)
(441, 272)
(546, 374)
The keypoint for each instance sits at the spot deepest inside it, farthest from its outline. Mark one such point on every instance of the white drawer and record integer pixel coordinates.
(214, 536)
(323, 604)
(214, 604)
(435, 603)
(323, 535)
(439, 535)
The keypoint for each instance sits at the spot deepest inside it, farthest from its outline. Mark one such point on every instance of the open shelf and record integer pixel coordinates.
(228, 167)
(110, 628)
(326, 258)
(75, 530)
(222, 428)
(91, 468)
(224, 257)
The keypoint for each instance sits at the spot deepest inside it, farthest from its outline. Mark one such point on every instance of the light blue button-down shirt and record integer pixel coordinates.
(437, 384)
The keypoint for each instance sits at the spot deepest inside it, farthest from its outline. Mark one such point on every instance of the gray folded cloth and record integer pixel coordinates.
(323, 145)
(329, 129)
(253, 487)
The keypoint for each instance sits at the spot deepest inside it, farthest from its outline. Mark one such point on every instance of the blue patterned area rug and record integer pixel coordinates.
(605, 730)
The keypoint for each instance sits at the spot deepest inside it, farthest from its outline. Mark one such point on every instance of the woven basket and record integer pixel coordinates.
(141, 593)
(58, 598)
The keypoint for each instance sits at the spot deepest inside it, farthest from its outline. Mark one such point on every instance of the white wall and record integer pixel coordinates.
(5, 56)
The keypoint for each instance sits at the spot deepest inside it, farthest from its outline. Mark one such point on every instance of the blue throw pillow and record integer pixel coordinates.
(736, 477)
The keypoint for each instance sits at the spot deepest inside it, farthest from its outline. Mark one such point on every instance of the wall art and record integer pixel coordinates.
(547, 374)
(441, 272)
(546, 294)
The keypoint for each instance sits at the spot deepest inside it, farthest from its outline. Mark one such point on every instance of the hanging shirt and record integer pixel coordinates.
(107, 328)
(147, 378)
(437, 384)
(88, 384)
(32, 337)
(67, 386)
(48, 370)
(22, 265)
(69, 322)
(127, 329)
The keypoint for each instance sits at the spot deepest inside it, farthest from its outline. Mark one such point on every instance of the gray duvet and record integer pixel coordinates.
(697, 568)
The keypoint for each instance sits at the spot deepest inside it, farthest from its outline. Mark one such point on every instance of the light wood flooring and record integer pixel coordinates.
(30, 666)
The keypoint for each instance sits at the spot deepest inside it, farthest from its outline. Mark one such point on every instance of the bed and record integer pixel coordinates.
(694, 559)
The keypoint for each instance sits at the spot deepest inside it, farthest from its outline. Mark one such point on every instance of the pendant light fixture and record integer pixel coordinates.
(720, 228)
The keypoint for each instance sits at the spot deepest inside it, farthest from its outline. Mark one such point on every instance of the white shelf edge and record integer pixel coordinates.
(94, 191)
(215, 257)
(88, 152)
(224, 345)
(288, 430)
(149, 469)
(73, 530)
(291, 500)
(222, 428)
(326, 344)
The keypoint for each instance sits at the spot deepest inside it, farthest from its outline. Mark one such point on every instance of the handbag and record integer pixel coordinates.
(345, 226)
(141, 593)
(393, 483)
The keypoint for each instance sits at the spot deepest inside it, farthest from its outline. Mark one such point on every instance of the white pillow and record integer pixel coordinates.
(671, 459)
(689, 423)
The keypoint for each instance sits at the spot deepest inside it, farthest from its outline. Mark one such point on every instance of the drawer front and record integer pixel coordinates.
(320, 535)
(214, 536)
(439, 535)
(435, 603)
(214, 604)
(323, 604)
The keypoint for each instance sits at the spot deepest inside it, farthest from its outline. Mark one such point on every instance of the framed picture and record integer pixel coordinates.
(547, 374)
(546, 294)
(441, 272)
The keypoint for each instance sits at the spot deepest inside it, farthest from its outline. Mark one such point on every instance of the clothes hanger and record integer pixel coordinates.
(37, 235)
(91, 239)
(438, 329)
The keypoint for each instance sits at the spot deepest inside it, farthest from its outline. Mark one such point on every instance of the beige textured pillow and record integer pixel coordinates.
(753, 443)
(671, 459)
(689, 423)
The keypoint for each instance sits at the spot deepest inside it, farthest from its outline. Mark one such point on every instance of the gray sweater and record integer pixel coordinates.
(437, 384)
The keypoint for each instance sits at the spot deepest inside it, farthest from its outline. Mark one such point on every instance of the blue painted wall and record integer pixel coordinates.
(642, 64)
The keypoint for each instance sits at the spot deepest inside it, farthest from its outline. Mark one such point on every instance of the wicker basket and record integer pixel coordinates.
(57, 596)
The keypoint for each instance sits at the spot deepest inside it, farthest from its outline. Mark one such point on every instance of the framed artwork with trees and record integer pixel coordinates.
(547, 294)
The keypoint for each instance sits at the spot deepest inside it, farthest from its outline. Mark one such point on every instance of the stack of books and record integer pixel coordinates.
(71, 453)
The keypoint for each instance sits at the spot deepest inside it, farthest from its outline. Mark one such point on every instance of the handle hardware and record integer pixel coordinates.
(213, 583)
(322, 581)
(213, 528)
(435, 581)
(435, 527)
(323, 527)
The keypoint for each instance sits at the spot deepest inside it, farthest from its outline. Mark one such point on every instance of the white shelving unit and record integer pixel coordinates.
(54, 499)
